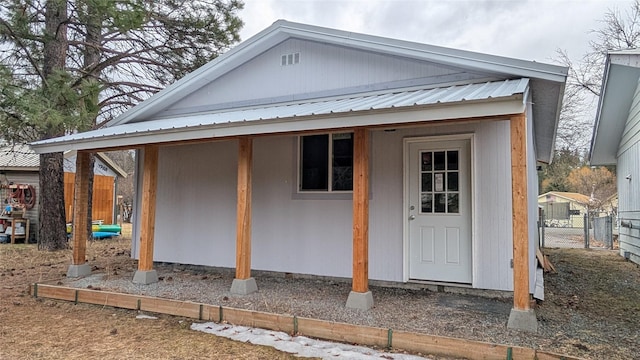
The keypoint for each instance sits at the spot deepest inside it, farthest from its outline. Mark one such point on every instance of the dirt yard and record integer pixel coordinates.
(591, 310)
(43, 329)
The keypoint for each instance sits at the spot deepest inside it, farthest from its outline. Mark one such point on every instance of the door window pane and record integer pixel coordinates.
(453, 204)
(426, 182)
(440, 203)
(438, 160)
(452, 181)
(426, 161)
(452, 160)
(427, 203)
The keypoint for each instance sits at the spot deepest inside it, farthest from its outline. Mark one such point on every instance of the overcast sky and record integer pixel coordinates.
(529, 30)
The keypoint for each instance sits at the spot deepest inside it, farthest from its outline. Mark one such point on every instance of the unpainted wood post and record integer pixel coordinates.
(148, 210)
(361, 211)
(243, 226)
(81, 209)
(520, 212)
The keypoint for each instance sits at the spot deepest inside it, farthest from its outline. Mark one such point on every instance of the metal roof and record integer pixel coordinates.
(281, 30)
(232, 120)
(620, 82)
(19, 156)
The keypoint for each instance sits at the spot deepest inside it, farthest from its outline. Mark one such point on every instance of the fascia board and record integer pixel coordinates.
(497, 108)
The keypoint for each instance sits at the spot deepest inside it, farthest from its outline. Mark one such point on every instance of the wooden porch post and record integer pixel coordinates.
(360, 296)
(146, 274)
(521, 317)
(79, 266)
(243, 283)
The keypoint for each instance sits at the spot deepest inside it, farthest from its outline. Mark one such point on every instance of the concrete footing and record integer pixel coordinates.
(244, 286)
(358, 300)
(523, 320)
(75, 271)
(145, 277)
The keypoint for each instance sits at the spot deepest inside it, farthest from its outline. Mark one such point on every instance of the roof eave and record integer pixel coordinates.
(465, 109)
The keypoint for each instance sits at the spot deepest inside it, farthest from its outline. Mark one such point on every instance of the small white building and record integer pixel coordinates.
(616, 141)
(324, 152)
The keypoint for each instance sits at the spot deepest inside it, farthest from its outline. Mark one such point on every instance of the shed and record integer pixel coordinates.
(323, 152)
(19, 164)
(616, 141)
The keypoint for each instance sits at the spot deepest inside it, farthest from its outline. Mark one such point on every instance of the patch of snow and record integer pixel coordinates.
(298, 345)
(142, 316)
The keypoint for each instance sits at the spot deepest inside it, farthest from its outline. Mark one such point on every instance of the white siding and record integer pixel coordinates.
(195, 219)
(99, 167)
(532, 195)
(629, 201)
(631, 133)
(322, 69)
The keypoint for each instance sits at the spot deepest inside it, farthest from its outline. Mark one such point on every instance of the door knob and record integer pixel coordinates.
(412, 217)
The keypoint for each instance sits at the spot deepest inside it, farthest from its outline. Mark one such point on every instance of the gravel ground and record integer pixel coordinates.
(567, 324)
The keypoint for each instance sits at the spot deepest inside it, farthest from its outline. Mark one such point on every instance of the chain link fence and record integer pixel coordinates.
(576, 231)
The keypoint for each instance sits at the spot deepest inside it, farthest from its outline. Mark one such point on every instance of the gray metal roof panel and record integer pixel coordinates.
(18, 156)
(392, 100)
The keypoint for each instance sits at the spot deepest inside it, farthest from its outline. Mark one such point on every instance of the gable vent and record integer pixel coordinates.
(290, 59)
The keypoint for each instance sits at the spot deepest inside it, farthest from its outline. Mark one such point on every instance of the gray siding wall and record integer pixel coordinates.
(629, 190)
(322, 69)
(30, 178)
(196, 211)
(629, 201)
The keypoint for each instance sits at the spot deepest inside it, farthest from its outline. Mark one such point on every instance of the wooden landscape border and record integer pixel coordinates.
(327, 330)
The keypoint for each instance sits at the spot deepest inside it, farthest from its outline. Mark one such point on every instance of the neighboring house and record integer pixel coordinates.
(21, 165)
(616, 141)
(318, 151)
(564, 209)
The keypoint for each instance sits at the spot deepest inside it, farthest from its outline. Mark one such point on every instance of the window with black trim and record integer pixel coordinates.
(326, 162)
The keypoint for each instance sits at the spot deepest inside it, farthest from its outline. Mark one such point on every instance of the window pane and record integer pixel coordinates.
(426, 161)
(452, 181)
(314, 170)
(453, 206)
(342, 162)
(452, 160)
(426, 182)
(440, 205)
(427, 203)
(438, 160)
(438, 182)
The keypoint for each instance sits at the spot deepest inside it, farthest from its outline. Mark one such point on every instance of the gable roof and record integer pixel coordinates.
(619, 83)
(545, 81)
(571, 196)
(20, 157)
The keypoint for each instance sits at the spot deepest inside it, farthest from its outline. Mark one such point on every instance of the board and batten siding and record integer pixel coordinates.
(629, 201)
(196, 211)
(323, 69)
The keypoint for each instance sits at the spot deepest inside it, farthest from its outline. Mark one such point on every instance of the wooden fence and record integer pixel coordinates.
(327, 330)
(102, 205)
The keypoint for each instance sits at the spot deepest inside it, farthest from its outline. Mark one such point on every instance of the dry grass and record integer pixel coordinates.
(43, 329)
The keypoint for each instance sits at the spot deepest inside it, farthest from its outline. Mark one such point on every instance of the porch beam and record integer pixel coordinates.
(79, 266)
(521, 317)
(243, 283)
(146, 274)
(360, 296)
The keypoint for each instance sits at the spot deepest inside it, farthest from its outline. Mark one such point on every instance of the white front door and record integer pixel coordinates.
(439, 208)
